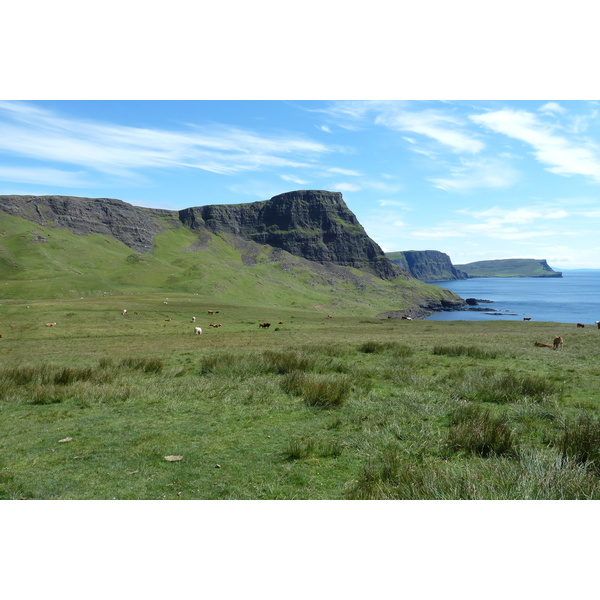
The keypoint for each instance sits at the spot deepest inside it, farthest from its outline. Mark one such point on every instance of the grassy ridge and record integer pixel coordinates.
(40, 262)
(348, 407)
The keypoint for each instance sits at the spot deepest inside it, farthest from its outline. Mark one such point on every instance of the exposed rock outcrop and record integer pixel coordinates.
(427, 265)
(314, 224)
(135, 226)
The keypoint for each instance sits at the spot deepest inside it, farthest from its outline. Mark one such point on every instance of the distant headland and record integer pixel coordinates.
(509, 267)
(433, 265)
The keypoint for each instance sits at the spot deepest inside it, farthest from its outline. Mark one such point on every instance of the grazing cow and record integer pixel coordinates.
(197, 330)
(215, 325)
(167, 319)
(0, 335)
(281, 322)
(543, 345)
(264, 325)
(407, 318)
(136, 313)
(580, 325)
(193, 319)
(526, 318)
(211, 312)
(330, 316)
(50, 324)
(124, 311)
(558, 342)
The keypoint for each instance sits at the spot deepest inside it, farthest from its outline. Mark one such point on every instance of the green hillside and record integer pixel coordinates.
(510, 267)
(44, 262)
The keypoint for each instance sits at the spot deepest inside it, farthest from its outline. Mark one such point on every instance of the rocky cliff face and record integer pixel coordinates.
(427, 265)
(136, 227)
(316, 225)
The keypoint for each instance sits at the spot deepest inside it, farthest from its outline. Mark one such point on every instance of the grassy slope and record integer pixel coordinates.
(413, 396)
(510, 267)
(37, 262)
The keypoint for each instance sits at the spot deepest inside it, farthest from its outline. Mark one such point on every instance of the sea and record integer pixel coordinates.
(572, 298)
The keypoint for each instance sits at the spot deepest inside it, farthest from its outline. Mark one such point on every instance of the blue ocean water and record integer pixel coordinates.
(572, 298)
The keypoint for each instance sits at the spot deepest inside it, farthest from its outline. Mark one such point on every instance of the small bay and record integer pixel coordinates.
(572, 298)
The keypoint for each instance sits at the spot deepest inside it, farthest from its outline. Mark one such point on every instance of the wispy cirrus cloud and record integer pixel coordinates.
(561, 155)
(522, 223)
(522, 215)
(482, 173)
(37, 133)
(338, 171)
(293, 179)
(43, 176)
(346, 187)
(440, 126)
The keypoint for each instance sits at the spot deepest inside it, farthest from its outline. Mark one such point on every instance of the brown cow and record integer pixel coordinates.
(558, 342)
(526, 318)
(264, 325)
(50, 324)
(580, 325)
(543, 345)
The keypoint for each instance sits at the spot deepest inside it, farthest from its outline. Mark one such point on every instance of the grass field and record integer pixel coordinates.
(310, 408)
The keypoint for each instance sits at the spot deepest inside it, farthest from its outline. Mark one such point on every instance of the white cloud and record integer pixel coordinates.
(562, 156)
(348, 172)
(521, 216)
(484, 173)
(43, 176)
(325, 128)
(346, 187)
(434, 124)
(397, 203)
(552, 108)
(26, 130)
(293, 179)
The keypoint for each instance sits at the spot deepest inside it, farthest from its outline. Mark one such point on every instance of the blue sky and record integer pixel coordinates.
(477, 180)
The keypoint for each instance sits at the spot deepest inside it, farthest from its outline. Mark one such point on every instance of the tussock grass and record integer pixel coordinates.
(376, 347)
(301, 447)
(463, 350)
(47, 374)
(475, 430)
(146, 365)
(486, 385)
(48, 394)
(286, 362)
(390, 476)
(532, 476)
(324, 391)
(580, 442)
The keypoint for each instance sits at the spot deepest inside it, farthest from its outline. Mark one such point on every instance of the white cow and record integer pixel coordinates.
(124, 311)
(197, 330)
(193, 319)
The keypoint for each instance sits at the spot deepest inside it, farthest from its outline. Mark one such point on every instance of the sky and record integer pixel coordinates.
(477, 180)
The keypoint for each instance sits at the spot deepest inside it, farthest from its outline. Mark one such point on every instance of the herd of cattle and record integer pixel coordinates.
(556, 344)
